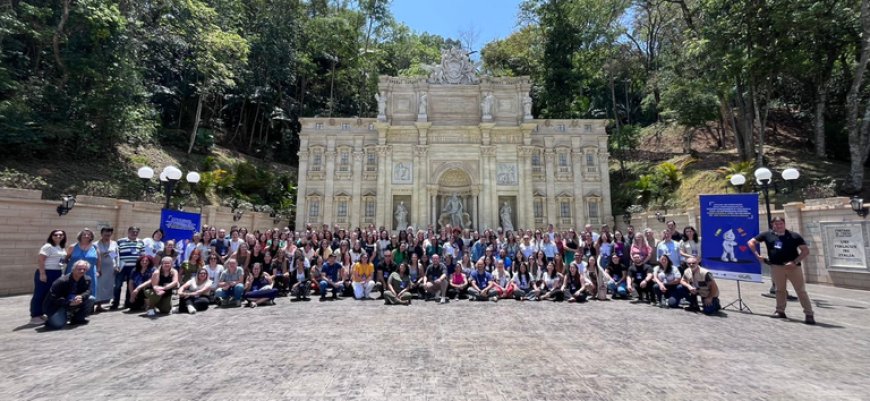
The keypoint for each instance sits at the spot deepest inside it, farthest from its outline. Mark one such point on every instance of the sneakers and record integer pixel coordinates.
(443, 300)
(174, 310)
(191, 310)
(493, 299)
(810, 320)
(36, 321)
(778, 315)
(253, 305)
(152, 312)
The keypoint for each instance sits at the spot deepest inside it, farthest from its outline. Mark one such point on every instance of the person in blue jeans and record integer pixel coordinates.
(129, 250)
(617, 284)
(231, 284)
(668, 290)
(330, 278)
(70, 295)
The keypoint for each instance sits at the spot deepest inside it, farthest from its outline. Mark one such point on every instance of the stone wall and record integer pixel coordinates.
(26, 221)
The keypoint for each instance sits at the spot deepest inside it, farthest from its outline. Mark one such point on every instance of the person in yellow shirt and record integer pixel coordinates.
(363, 280)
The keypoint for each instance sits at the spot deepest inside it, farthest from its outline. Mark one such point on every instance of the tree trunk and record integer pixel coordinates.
(759, 117)
(858, 136)
(254, 128)
(55, 44)
(195, 124)
(819, 120)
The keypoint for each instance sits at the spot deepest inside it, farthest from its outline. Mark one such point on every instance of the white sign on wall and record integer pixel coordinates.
(845, 245)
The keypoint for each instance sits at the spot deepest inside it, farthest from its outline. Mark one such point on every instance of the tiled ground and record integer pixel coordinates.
(352, 350)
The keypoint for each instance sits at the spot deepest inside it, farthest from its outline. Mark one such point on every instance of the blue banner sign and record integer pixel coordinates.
(728, 222)
(179, 226)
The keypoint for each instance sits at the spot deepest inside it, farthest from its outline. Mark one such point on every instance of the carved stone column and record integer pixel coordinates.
(604, 173)
(421, 199)
(328, 198)
(487, 175)
(550, 173)
(356, 201)
(383, 176)
(525, 217)
(302, 181)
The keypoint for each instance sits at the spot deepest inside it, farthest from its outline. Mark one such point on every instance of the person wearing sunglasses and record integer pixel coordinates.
(698, 281)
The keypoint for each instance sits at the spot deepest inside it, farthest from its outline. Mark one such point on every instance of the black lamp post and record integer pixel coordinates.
(169, 177)
(763, 183)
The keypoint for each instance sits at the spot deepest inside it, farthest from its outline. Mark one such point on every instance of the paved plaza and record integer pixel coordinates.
(349, 350)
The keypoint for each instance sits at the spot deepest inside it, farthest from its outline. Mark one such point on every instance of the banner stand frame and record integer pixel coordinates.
(740, 305)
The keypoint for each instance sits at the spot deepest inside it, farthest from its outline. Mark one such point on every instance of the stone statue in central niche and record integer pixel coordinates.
(401, 216)
(453, 213)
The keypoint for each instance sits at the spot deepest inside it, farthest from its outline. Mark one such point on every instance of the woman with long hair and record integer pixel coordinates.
(574, 284)
(49, 267)
(640, 246)
(667, 289)
(140, 279)
(552, 284)
(190, 267)
(690, 246)
(193, 296)
(525, 286)
(258, 287)
(597, 283)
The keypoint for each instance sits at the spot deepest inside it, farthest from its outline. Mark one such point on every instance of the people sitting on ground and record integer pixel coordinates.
(158, 296)
(699, 282)
(552, 290)
(503, 280)
(598, 279)
(482, 287)
(668, 290)
(258, 287)
(574, 284)
(525, 286)
(330, 278)
(398, 286)
(214, 268)
(383, 272)
(435, 280)
(458, 284)
(617, 283)
(69, 299)
(299, 281)
(140, 279)
(640, 280)
(195, 294)
(363, 278)
(231, 285)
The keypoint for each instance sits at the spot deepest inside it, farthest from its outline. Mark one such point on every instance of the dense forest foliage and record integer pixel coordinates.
(80, 76)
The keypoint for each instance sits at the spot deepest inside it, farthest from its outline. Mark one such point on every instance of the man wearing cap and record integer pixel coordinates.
(785, 251)
(700, 282)
(70, 295)
(129, 250)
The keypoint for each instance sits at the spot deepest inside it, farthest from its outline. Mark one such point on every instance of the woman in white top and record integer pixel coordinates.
(214, 269)
(49, 267)
(154, 244)
(194, 295)
(552, 284)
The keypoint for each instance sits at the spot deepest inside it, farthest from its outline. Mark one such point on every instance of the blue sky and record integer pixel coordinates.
(492, 19)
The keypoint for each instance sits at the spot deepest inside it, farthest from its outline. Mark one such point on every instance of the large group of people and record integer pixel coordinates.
(232, 268)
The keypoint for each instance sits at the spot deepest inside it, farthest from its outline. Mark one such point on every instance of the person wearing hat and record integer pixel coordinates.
(330, 278)
(700, 282)
(70, 296)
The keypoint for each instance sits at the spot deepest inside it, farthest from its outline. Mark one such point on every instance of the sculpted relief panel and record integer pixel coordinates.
(403, 173)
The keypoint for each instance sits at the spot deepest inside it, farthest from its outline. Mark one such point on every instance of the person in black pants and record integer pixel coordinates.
(194, 295)
(640, 278)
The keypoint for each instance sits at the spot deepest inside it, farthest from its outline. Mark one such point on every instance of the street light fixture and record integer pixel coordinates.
(763, 183)
(858, 206)
(67, 202)
(168, 178)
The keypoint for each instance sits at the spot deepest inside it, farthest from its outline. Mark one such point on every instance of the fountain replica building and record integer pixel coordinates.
(453, 148)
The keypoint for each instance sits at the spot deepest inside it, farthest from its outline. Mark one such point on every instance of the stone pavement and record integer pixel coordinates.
(351, 350)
